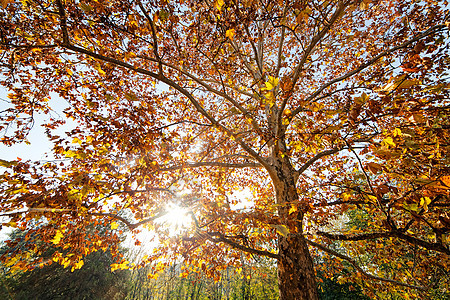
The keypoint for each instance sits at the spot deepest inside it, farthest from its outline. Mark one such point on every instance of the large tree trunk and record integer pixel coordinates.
(296, 276)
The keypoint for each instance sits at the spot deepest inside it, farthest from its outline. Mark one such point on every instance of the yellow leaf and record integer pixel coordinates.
(57, 238)
(281, 229)
(11, 224)
(400, 83)
(219, 4)
(363, 6)
(269, 95)
(411, 207)
(424, 202)
(293, 209)
(7, 164)
(89, 139)
(78, 265)
(408, 83)
(272, 83)
(397, 132)
(389, 142)
(99, 69)
(114, 225)
(114, 267)
(346, 196)
(21, 190)
(372, 198)
(230, 33)
(85, 7)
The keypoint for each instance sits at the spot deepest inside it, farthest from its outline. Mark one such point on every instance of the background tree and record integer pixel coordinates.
(52, 281)
(313, 107)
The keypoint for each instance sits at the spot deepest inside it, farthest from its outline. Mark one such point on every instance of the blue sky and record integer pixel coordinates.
(39, 144)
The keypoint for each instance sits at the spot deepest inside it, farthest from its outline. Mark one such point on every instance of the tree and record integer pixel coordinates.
(52, 281)
(314, 107)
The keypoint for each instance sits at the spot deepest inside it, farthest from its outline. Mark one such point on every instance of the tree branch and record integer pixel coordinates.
(220, 238)
(315, 158)
(209, 88)
(306, 54)
(212, 164)
(154, 36)
(130, 225)
(376, 235)
(66, 44)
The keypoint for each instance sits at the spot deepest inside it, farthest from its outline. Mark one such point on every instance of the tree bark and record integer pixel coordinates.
(296, 276)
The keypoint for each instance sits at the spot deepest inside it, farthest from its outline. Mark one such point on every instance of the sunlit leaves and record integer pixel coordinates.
(388, 142)
(78, 265)
(124, 265)
(230, 33)
(424, 202)
(400, 82)
(281, 229)
(272, 83)
(57, 238)
(114, 225)
(326, 119)
(293, 209)
(219, 4)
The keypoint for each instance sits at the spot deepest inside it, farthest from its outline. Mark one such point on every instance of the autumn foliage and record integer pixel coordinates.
(295, 130)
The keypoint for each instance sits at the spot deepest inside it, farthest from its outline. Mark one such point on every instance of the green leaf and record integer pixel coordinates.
(7, 164)
(131, 96)
(85, 7)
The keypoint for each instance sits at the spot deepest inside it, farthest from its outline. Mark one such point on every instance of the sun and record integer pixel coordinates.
(177, 219)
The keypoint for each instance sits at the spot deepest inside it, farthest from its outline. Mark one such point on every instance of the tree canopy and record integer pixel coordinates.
(329, 120)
